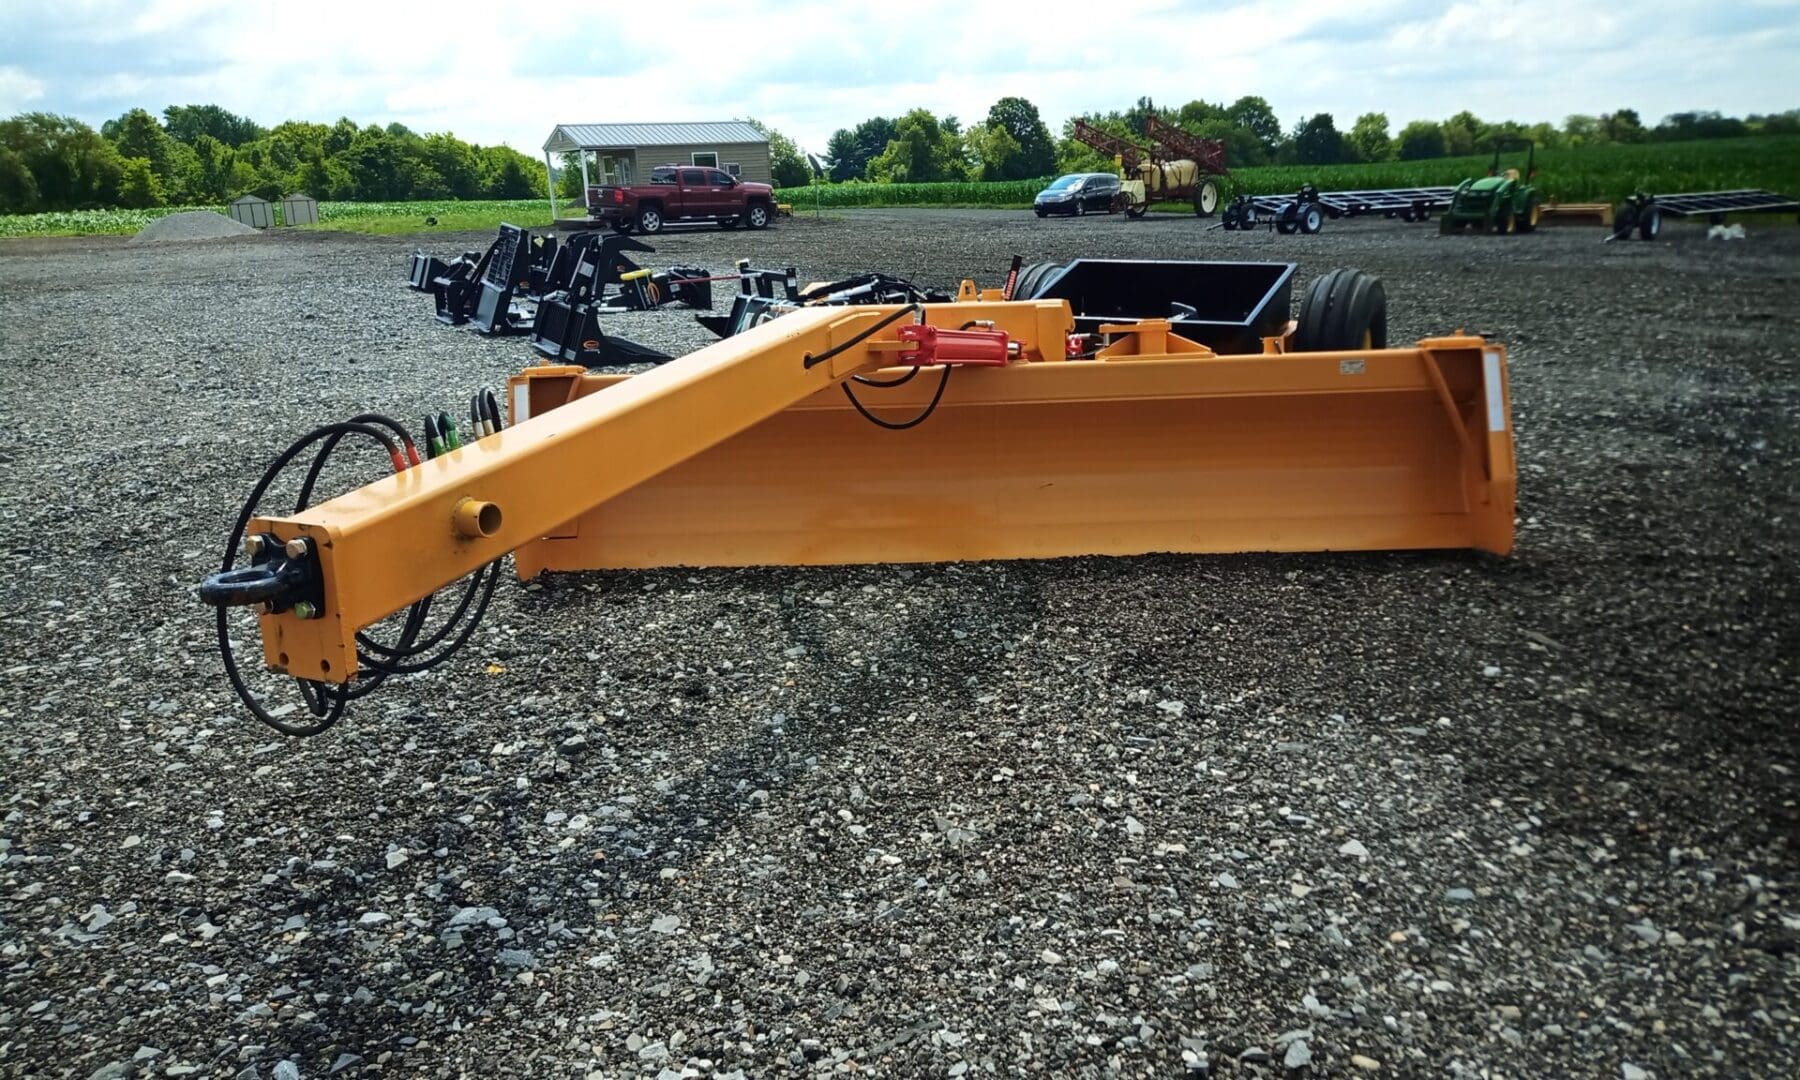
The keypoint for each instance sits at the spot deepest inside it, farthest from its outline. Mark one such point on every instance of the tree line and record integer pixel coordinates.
(204, 154)
(1013, 142)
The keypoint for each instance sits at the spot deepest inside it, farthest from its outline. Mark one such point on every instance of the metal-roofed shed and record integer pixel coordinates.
(625, 153)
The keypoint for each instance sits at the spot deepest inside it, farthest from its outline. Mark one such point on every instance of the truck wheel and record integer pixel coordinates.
(1206, 199)
(649, 220)
(756, 215)
(1343, 310)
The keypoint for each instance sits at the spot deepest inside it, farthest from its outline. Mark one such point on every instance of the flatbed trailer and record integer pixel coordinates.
(1716, 204)
(1408, 204)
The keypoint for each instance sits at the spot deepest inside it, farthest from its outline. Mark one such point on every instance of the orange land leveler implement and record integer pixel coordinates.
(983, 428)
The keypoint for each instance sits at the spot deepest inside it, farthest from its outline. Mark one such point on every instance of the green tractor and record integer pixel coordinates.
(1499, 203)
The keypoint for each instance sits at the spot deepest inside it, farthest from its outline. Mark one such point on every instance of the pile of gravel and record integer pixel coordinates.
(191, 225)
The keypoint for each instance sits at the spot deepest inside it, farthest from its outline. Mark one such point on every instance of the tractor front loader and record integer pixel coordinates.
(983, 428)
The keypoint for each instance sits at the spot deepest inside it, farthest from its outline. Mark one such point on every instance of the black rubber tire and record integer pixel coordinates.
(1528, 223)
(649, 220)
(1247, 219)
(1625, 218)
(1649, 224)
(1503, 221)
(758, 215)
(1311, 221)
(728, 223)
(1032, 277)
(1342, 310)
(1080, 207)
(1041, 213)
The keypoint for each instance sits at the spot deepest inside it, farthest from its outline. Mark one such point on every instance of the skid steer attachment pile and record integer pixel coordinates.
(977, 429)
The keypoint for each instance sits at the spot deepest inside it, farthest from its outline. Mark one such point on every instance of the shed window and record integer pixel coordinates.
(708, 158)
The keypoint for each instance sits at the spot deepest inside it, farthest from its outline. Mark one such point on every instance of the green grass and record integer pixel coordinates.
(1603, 173)
(383, 218)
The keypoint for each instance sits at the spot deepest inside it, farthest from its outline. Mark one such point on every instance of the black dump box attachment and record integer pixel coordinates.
(1227, 306)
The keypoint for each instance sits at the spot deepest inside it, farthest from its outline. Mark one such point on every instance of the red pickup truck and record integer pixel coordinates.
(682, 193)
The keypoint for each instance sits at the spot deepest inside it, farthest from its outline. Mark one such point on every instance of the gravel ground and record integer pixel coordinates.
(1415, 814)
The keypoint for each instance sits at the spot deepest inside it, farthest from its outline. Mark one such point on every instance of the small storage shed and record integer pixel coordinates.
(299, 209)
(252, 210)
(625, 153)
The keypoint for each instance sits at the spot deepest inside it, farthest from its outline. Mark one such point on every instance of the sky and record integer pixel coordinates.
(494, 73)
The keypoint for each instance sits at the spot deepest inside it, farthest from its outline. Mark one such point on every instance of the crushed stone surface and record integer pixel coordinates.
(191, 225)
(1433, 814)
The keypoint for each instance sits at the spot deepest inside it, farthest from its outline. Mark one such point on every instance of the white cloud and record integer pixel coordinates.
(18, 91)
(812, 66)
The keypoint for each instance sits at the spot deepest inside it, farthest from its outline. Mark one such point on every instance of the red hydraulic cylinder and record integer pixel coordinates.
(935, 345)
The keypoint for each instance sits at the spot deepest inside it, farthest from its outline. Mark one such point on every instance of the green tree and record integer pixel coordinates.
(1462, 134)
(1579, 128)
(1242, 148)
(786, 164)
(1623, 126)
(187, 123)
(72, 166)
(1036, 153)
(137, 134)
(851, 150)
(1317, 142)
(1369, 137)
(138, 186)
(458, 163)
(211, 181)
(923, 149)
(993, 151)
(342, 134)
(18, 188)
(508, 174)
(1254, 115)
(1197, 112)
(568, 177)
(1420, 140)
